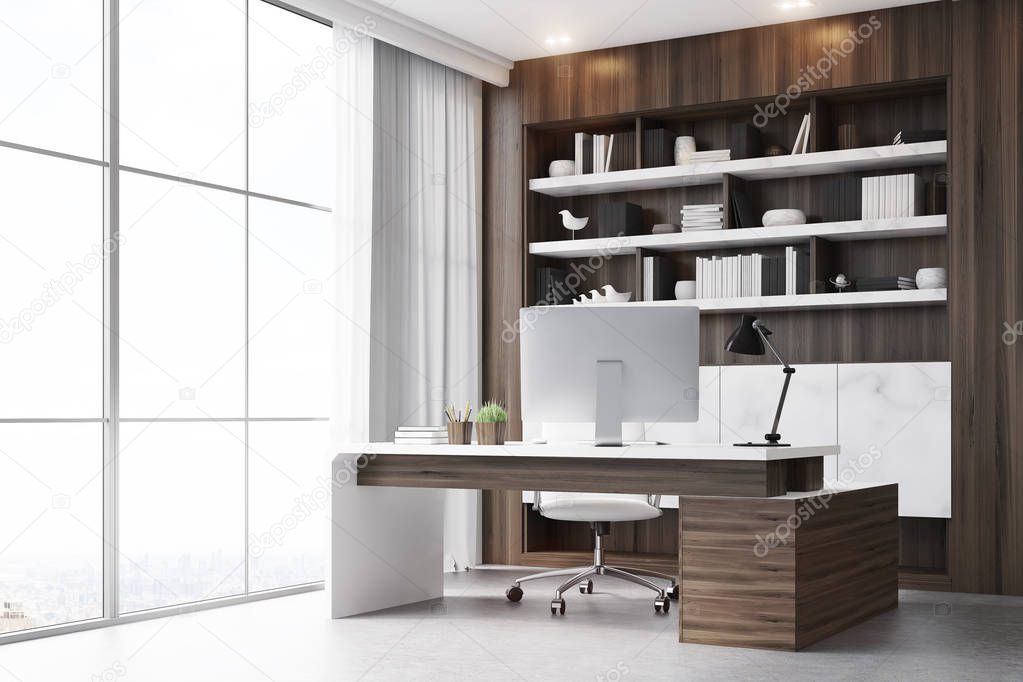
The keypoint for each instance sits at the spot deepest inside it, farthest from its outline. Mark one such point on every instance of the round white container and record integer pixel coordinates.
(931, 278)
(784, 216)
(561, 168)
(685, 290)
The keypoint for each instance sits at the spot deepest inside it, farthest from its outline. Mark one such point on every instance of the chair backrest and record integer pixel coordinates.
(547, 497)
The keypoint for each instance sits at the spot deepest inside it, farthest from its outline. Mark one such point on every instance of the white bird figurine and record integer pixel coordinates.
(611, 295)
(582, 300)
(595, 296)
(571, 222)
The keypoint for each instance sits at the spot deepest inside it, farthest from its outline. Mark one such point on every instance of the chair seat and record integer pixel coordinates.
(599, 509)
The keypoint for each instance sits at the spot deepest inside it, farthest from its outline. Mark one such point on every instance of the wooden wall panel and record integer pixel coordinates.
(985, 254)
(502, 294)
(908, 43)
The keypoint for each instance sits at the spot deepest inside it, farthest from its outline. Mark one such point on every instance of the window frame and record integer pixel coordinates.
(111, 419)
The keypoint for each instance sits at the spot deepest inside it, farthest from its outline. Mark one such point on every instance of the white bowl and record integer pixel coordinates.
(931, 278)
(618, 297)
(685, 289)
(784, 216)
(561, 168)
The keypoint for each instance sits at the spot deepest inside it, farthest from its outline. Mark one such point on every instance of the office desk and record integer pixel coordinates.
(387, 529)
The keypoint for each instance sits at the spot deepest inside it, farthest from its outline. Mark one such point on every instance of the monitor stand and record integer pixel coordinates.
(608, 426)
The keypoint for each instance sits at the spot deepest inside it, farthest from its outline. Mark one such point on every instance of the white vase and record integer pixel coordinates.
(561, 168)
(684, 148)
(685, 289)
(931, 278)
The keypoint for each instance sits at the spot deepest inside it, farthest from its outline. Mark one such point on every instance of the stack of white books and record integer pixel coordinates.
(421, 435)
(709, 155)
(893, 196)
(702, 217)
(753, 274)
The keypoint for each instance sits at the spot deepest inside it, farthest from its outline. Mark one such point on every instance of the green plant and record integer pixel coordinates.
(491, 413)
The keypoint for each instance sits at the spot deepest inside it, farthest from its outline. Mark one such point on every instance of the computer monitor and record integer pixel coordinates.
(610, 364)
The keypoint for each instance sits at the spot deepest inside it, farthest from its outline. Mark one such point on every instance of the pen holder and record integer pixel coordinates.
(490, 433)
(459, 433)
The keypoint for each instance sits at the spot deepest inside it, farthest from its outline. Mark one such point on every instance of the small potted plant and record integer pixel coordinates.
(491, 422)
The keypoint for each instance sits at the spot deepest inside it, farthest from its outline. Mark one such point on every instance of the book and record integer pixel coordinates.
(610, 148)
(552, 286)
(744, 141)
(798, 145)
(742, 210)
(658, 279)
(421, 441)
(583, 153)
(658, 148)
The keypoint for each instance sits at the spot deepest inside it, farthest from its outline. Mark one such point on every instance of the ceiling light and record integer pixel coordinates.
(795, 4)
(564, 39)
(554, 41)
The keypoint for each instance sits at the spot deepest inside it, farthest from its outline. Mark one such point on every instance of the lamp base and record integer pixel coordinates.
(751, 444)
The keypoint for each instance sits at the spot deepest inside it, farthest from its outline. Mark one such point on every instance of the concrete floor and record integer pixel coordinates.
(474, 633)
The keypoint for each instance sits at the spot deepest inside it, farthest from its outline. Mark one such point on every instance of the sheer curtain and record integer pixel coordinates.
(408, 219)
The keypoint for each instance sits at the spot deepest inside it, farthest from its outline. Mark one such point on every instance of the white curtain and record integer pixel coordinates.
(409, 332)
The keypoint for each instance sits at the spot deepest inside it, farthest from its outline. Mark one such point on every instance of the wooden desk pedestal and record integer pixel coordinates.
(783, 573)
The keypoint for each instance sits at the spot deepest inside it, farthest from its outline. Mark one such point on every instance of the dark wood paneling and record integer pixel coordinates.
(595, 475)
(501, 295)
(907, 44)
(923, 544)
(986, 293)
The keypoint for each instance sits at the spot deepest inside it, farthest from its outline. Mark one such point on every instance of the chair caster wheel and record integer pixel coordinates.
(557, 606)
(673, 595)
(514, 593)
(661, 605)
(586, 587)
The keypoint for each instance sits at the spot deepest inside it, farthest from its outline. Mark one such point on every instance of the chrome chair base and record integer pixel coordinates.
(638, 576)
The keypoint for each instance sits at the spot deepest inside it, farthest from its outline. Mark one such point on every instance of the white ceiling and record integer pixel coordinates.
(518, 29)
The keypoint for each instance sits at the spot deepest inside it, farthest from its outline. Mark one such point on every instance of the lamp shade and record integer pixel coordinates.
(745, 340)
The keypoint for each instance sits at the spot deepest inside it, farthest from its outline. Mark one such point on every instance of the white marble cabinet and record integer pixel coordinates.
(895, 424)
(749, 399)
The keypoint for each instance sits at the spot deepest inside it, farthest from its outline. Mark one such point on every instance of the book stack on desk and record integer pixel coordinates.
(421, 435)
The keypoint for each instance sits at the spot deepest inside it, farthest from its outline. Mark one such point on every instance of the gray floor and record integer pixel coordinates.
(474, 633)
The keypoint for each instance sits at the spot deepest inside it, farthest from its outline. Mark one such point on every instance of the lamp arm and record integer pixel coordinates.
(781, 403)
(774, 436)
(767, 340)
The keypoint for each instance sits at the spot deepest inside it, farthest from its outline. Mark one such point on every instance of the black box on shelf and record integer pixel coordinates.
(658, 148)
(619, 218)
(552, 287)
(745, 141)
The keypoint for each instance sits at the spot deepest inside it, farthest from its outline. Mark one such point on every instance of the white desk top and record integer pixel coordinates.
(707, 451)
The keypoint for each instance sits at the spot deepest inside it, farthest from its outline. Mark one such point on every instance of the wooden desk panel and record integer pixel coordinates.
(836, 565)
(643, 476)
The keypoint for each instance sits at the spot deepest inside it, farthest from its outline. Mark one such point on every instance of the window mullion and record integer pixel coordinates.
(111, 388)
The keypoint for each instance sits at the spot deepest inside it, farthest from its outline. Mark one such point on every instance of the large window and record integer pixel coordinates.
(164, 342)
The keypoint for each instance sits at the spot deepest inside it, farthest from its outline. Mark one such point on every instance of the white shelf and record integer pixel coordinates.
(787, 166)
(850, 230)
(852, 299)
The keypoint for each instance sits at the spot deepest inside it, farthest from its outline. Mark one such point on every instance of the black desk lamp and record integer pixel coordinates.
(749, 339)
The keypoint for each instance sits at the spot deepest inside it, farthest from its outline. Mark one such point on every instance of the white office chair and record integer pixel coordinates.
(599, 511)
